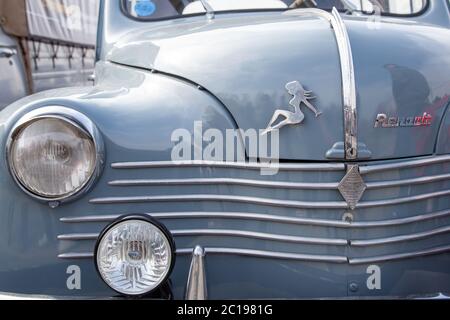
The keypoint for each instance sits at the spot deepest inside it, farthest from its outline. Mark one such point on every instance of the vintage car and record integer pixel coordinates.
(238, 150)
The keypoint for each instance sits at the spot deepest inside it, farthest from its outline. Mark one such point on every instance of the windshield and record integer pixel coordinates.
(162, 9)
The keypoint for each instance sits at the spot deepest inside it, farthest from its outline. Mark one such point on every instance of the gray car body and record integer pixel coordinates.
(230, 73)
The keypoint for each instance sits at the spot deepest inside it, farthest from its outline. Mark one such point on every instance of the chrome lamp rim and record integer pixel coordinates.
(158, 225)
(74, 118)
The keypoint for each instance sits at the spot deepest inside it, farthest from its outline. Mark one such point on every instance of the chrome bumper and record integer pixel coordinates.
(23, 297)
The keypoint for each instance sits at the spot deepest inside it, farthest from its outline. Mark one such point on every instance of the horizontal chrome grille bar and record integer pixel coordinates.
(224, 181)
(243, 252)
(259, 235)
(278, 237)
(402, 238)
(425, 196)
(268, 218)
(207, 197)
(271, 184)
(230, 233)
(404, 165)
(364, 169)
(94, 218)
(291, 256)
(236, 165)
(407, 182)
(76, 255)
(266, 201)
(269, 254)
(217, 215)
(79, 236)
(400, 256)
(402, 221)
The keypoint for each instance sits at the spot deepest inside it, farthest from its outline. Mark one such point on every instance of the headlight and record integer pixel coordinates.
(53, 156)
(135, 255)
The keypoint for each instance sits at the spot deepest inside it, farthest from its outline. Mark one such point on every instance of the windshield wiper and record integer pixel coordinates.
(303, 3)
(208, 9)
(349, 9)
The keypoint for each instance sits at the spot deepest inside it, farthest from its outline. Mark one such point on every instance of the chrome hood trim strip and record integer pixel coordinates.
(348, 75)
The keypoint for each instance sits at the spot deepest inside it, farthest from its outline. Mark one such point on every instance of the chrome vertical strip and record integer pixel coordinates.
(196, 284)
(348, 75)
(348, 86)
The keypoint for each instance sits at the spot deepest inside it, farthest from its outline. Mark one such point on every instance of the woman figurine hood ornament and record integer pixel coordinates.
(300, 95)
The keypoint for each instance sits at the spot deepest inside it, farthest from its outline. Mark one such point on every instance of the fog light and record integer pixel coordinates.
(135, 255)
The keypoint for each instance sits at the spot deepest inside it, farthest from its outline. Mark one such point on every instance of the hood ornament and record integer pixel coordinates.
(300, 95)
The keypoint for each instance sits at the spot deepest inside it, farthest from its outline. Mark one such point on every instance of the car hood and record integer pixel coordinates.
(247, 61)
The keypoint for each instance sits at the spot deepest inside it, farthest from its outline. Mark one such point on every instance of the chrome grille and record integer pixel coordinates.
(404, 213)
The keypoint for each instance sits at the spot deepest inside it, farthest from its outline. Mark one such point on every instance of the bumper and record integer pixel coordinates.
(23, 297)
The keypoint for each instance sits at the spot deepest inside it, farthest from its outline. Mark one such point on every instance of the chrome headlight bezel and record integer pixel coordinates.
(74, 118)
(147, 219)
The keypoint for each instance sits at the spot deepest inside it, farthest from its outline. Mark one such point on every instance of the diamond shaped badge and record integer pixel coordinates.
(352, 186)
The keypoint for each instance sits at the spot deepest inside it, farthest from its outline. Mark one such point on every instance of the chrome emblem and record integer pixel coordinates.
(352, 186)
(300, 95)
(383, 121)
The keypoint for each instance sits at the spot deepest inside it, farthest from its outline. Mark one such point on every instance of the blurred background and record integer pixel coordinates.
(45, 44)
